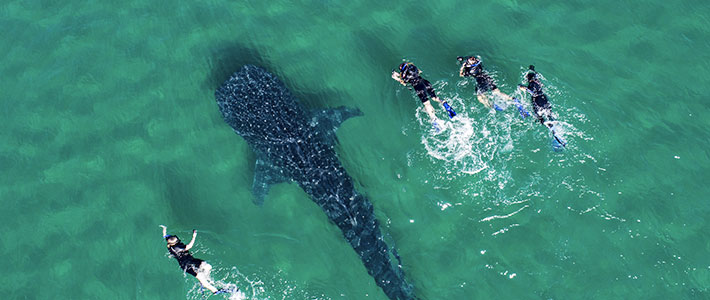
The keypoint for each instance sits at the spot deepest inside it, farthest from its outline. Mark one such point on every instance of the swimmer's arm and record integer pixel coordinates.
(165, 230)
(398, 77)
(461, 71)
(194, 234)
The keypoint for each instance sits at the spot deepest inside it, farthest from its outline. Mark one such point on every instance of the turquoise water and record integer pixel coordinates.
(110, 128)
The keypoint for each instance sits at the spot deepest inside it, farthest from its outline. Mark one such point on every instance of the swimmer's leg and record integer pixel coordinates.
(540, 117)
(546, 113)
(203, 275)
(422, 94)
(430, 110)
(537, 110)
(431, 92)
(550, 117)
(545, 116)
(484, 100)
(205, 283)
(505, 96)
(206, 268)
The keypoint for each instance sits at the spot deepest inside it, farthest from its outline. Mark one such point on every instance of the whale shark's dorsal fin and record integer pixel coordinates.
(328, 120)
(265, 175)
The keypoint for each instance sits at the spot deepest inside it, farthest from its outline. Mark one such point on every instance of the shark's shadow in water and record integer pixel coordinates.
(292, 144)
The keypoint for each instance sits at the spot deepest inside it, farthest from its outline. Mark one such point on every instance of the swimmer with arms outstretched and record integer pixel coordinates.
(408, 73)
(473, 67)
(193, 266)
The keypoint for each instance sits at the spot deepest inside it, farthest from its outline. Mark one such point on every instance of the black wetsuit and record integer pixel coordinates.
(542, 107)
(421, 86)
(484, 82)
(187, 263)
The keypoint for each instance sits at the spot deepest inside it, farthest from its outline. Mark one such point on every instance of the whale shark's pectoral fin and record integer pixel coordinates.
(328, 120)
(265, 175)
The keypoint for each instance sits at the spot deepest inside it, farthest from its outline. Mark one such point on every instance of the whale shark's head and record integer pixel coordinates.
(255, 103)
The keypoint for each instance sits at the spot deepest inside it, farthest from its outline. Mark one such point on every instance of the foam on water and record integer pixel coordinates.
(254, 286)
(484, 147)
(466, 144)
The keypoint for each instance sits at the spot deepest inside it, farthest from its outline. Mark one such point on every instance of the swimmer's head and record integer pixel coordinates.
(530, 76)
(402, 66)
(172, 240)
(472, 60)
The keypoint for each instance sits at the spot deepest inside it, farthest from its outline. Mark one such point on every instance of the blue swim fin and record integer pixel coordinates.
(523, 113)
(221, 291)
(450, 110)
(558, 143)
(436, 126)
(226, 291)
(498, 108)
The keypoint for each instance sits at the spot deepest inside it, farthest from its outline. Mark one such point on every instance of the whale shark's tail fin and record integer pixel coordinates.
(365, 236)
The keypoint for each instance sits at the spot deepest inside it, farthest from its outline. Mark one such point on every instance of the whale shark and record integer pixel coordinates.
(292, 144)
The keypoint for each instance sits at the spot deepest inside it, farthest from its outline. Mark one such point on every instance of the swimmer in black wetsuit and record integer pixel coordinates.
(542, 107)
(193, 266)
(408, 73)
(472, 66)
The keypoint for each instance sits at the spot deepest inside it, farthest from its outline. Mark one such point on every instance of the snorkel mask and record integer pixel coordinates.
(172, 240)
(477, 61)
(403, 66)
(464, 60)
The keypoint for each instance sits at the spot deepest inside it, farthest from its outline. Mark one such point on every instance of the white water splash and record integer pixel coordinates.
(467, 145)
(251, 287)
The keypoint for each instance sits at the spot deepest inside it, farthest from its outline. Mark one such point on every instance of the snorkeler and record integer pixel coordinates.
(193, 266)
(409, 74)
(472, 66)
(541, 107)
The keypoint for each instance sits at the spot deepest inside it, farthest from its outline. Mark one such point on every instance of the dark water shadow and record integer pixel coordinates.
(380, 54)
(184, 200)
(226, 59)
